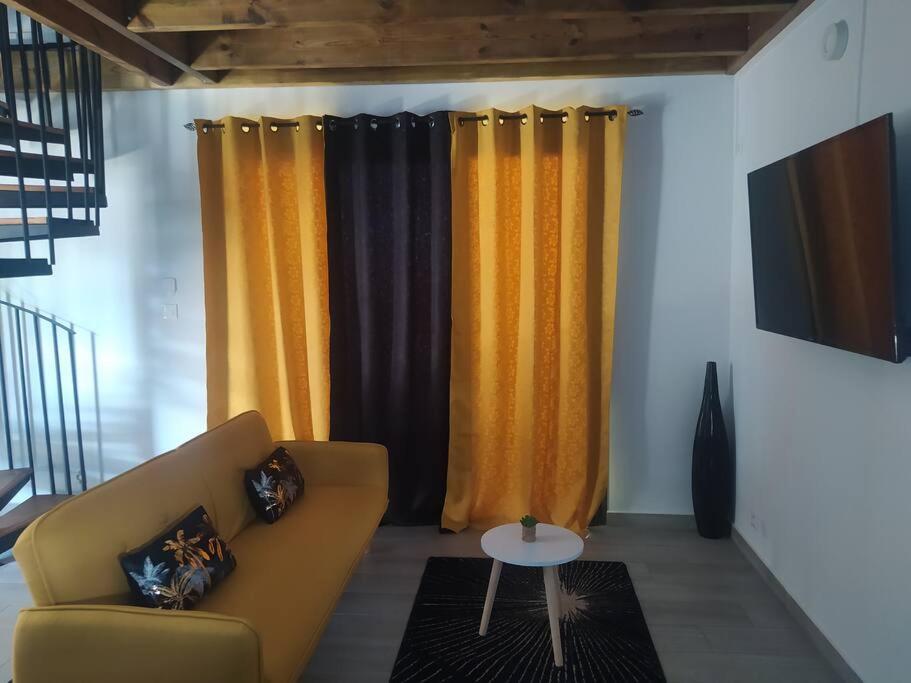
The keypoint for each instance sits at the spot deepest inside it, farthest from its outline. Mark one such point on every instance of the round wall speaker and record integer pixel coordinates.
(835, 41)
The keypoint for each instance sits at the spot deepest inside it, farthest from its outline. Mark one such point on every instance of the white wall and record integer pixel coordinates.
(672, 307)
(823, 435)
(824, 473)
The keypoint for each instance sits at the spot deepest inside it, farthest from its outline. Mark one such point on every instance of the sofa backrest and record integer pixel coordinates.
(70, 554)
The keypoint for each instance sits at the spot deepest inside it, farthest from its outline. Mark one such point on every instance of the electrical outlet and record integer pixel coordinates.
(169, 312)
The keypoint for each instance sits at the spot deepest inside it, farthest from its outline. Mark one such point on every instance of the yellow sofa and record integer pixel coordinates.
(260, 625)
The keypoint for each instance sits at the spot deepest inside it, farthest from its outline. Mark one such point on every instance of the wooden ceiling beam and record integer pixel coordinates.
(113, 76)
(117, 78)
(173, 48)
(760, 40)
(456, 42)
(691, 7)
(98, 37)
(216, 15)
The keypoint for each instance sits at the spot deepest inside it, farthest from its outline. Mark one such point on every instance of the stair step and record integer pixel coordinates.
(28, 131)
(24, 267)
(34, 197)
(11, 481)
(32, 165)
(13, 523)
(11, 229)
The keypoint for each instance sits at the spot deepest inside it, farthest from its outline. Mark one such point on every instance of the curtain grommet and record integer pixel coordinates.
(612, 115)
(297, 126)
(524, 119)
(245, 127)
(398, 123)
(319, 125)
(431, 123)
(374, 124)
(565, 118)
(205, 128)
(273, 127)
(501, 120)
(485, 120)
(587, 117)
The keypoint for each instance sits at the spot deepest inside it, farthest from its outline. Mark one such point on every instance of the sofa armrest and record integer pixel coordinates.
(340, 463)
(108, 643)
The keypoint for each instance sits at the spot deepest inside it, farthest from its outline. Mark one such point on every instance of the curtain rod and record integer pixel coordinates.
(562, 115)
(611, 114)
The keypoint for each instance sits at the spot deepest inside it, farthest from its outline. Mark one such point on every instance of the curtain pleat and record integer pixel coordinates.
(388, 216)
(535, 228)
(265, 269)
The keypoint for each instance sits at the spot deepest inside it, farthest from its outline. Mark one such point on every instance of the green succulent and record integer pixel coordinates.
(528, 521)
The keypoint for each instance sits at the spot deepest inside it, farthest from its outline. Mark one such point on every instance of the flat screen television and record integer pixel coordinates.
(824, 232)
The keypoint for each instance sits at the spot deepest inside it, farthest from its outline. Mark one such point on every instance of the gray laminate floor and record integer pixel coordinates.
(711, 616)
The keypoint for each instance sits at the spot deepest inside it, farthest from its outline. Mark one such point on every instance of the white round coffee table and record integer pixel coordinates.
(554, 546)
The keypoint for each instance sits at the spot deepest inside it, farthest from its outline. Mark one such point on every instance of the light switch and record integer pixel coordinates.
(168, 286)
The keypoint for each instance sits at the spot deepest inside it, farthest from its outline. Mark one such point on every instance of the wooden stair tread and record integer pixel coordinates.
(52, 130)
(28, 511)
(28, 131)
(12, 231)
(34, 165)
(35, 198)
(11, 481)
(23, 267)
(40, 220)
(13, 523)
(32, 220)
(12, 187)
(33, 156)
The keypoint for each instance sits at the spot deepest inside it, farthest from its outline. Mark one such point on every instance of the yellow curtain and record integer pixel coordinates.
(265, 266)
(535, 227)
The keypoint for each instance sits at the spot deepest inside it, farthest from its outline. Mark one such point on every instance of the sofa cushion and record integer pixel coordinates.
(289, 575)
(179, 566)
(273, 485)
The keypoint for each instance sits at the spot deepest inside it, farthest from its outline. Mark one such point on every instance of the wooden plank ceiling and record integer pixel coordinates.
(212, 43)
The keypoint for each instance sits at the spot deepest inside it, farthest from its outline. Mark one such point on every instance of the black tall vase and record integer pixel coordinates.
(713, 472)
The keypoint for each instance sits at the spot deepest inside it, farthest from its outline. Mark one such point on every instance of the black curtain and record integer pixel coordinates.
(388, 219)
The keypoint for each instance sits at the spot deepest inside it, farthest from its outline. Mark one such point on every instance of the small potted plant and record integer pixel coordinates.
(529, 524)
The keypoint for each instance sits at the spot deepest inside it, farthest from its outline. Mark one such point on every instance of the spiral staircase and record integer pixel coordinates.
(51, 145)
(51, 188)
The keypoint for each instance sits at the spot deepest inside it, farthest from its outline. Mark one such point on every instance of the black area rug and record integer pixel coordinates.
(605, 638)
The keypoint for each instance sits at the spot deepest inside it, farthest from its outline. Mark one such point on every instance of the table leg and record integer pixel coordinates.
(552, 589)
(491, 594)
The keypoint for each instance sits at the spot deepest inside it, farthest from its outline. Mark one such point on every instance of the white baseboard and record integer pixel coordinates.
(826, 649)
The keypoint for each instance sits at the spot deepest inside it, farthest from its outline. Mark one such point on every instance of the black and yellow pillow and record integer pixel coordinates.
(273, 485)
(177, 568)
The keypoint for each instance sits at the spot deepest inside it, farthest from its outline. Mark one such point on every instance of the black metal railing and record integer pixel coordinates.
(38, 374)
(56, 84)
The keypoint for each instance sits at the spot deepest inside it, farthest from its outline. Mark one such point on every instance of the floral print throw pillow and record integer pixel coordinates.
(177, 568)
(273, 485)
